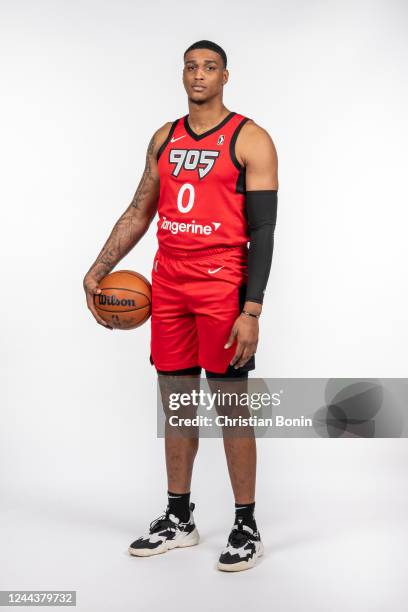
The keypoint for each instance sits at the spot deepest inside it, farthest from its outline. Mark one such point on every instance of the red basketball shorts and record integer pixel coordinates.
(196, 298)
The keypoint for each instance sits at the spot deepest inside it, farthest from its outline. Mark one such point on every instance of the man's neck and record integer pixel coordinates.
(203, 117)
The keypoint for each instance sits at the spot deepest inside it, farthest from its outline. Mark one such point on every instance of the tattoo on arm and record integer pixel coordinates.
(146, 178)
(131, 226)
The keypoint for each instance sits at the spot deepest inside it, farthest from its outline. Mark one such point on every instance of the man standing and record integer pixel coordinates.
(212, 178)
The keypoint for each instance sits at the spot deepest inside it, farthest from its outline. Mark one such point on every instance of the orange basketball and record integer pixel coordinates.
(125, 299)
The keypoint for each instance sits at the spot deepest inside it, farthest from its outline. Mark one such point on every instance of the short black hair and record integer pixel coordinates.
(207, 44)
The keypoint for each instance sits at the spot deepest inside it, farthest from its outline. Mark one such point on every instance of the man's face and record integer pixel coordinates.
(204, 75)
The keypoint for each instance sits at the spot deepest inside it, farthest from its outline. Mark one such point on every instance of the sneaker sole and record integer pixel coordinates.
(242, 565)
(191, 540)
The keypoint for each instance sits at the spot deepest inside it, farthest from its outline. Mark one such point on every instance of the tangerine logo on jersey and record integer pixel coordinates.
(193, 159)
(176, 227)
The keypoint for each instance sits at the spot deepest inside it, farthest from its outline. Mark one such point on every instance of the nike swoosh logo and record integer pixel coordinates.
(175, 139)
(214, 271)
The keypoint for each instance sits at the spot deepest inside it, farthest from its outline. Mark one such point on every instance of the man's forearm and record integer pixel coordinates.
(134, 222)
(126, 233)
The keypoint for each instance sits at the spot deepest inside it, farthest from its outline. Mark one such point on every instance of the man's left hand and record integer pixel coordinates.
(245, 331)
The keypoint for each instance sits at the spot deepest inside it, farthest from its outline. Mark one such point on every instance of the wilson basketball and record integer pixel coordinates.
(125, 299)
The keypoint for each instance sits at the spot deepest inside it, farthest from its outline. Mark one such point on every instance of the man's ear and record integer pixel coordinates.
(225, 77)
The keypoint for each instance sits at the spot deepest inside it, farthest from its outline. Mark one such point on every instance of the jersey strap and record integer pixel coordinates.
(169, 135)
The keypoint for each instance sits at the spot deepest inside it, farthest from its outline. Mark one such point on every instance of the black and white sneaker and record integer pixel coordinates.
(243, 548)
(165, 533)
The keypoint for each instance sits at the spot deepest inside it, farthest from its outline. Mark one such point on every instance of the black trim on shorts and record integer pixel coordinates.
(166, 142)
(184, 372)
(230, 372)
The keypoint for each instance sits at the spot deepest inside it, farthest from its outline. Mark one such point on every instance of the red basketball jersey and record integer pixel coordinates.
(202, 187)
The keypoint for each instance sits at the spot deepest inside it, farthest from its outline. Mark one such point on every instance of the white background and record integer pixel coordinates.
(84, 86)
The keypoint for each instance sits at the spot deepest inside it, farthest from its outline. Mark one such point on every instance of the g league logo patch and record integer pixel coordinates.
(220, 140)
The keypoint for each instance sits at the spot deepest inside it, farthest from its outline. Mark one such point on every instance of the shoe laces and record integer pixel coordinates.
(238, 536)
(162, 522)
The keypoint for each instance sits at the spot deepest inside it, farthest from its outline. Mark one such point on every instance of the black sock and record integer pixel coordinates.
(179, 505)
(246, 512)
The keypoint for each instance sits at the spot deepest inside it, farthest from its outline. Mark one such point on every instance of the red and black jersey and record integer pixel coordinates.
(202, 187)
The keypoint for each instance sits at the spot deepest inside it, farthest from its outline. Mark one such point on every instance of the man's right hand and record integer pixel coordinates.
(92, 288)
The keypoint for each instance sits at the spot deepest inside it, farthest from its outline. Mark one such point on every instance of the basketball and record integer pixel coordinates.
(125, 299)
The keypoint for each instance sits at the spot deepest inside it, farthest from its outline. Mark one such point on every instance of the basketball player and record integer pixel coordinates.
(212, 177)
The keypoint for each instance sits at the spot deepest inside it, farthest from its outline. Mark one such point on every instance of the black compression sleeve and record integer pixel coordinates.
(261, 209)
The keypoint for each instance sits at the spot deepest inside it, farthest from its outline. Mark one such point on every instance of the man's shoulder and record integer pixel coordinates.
(163, 130)
(252, 131)
(160, 136)
(253, 140)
